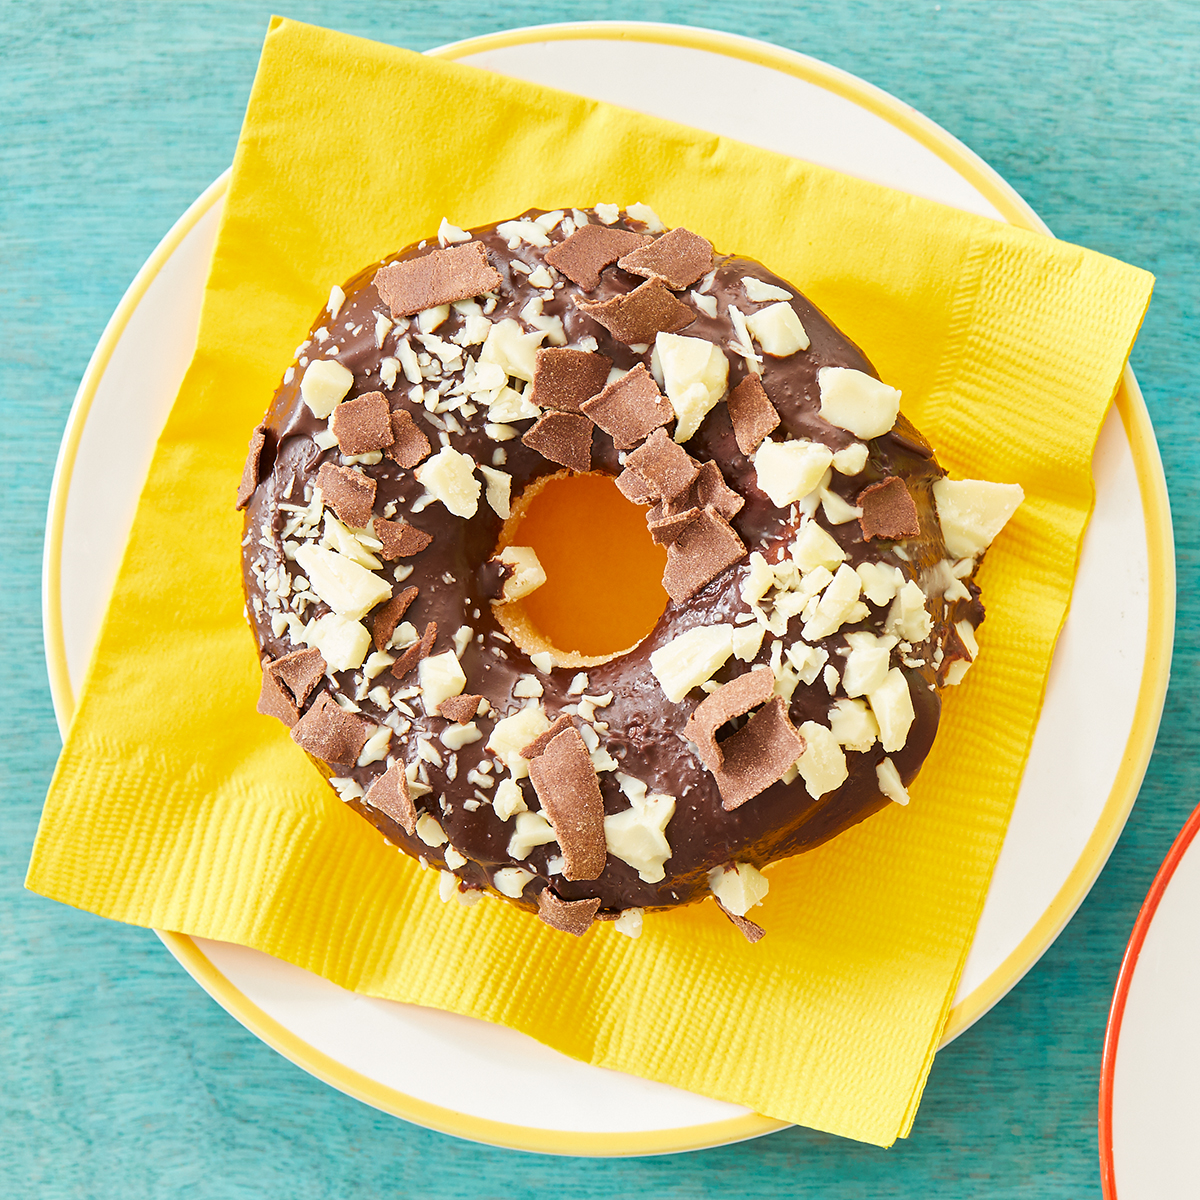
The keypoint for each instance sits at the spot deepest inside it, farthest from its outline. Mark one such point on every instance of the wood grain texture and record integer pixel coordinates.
(121, 1078)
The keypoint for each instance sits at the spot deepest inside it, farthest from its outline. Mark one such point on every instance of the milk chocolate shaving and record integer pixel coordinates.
(417, 651)
(299, 672)
(459, 708)
(400, 539)
(707, 489)
(568, 916)
(888, 511)
(389, 616)
(678, 258)
(439, 277)
(389, 794)
(350, 493)
(733, 699)
(330, 733)
(750, 930)
(639, 316)
(757, 755)
(274, 700)
(362, 424)
(409, 445)
(539, 744)
(564, 378)
(249, 482)
(665, 530)
(752, 413)
(666, 467)
(565, 781)
(634, 486)
(564, 438)
(699, 553)
(590, 249)
(630, 408)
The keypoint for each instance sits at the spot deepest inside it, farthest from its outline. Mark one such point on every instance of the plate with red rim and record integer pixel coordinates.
(1150, 1073)
(455, 1073)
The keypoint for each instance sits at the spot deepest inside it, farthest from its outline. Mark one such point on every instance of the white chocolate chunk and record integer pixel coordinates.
(645, 214)
(455, 737)
(527, 572)
(527, 687)
(778, 330)
(866, 668)
(694, 374)
(973, 511)
(837, 511)
(853, 725)
(738, 887)
(908, 619)
(892, 705)
(814, 547)
(822, 766)
(454, 860)
(851, 460)
(523, 231)
(880, 582)
(336, 299)
(324, 386)
(348, 588)
(787, 471)
(836, 605)
(337, 537)
(450, 477)
(512, 348)
(747, 641)
(430, 832)
(377, 663)
(440, 677)
(858, 402)
(376, 746)
(511, 881)
(691, 659)
(447, 886)
(760, 292)
(511, 735)
(343, 643)
(428, 319)
(958, 668)
(509, 799)
(637, 836)
(451, 233)
(629, 922)
(532, 829)
(510, 405)
(543, 660)
(889, 782)
(809, 661)
(759, 580)
(499, 490)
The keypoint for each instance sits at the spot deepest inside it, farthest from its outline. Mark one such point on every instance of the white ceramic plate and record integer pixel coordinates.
(453, 1072)
(1150, 1078)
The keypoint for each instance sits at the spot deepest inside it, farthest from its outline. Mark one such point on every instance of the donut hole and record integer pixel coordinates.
(603, 592)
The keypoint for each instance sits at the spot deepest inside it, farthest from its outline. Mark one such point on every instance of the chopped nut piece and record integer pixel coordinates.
(511, 881)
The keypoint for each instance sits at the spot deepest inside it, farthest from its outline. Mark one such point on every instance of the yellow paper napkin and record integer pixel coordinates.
(175, 805)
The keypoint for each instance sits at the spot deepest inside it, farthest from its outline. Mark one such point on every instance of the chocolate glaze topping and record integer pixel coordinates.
(641, 729)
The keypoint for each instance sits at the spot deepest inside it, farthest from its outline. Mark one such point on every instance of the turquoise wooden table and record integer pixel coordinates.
(122, 1078)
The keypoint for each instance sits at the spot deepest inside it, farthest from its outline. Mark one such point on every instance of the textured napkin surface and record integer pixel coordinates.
(175, 805)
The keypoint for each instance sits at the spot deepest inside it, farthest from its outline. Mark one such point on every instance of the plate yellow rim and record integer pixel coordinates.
(1151, 693)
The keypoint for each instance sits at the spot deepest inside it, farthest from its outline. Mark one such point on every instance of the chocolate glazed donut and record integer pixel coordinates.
(790, 688)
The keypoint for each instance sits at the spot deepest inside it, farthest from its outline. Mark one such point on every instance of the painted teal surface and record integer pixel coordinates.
(118, 1076)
